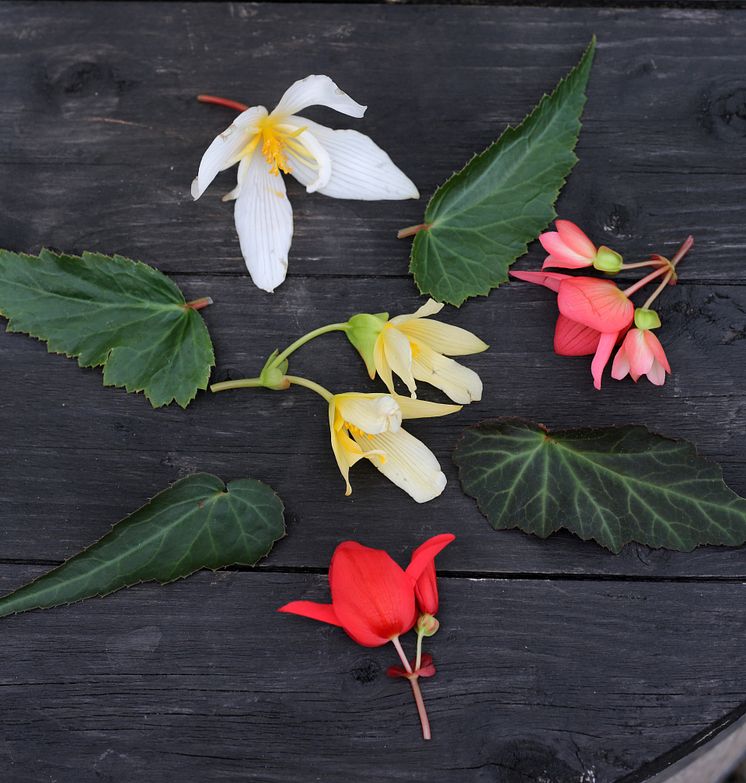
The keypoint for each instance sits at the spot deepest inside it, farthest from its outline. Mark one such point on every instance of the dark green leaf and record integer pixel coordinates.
(199, 522)
(611, 484)
(482, 219)
(110, 311)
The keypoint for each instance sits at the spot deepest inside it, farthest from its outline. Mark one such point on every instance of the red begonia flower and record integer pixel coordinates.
(426, 586)
(568, 246)
(641, 353)
(373, 598)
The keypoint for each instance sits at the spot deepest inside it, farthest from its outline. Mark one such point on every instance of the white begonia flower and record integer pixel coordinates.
(337, 163)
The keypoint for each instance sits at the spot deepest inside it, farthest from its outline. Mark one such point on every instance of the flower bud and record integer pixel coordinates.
(607, 260)
(274, 377)
(427, 625)
(363, 332)
(646, 319)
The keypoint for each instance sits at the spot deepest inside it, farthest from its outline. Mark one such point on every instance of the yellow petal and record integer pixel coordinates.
(431, 307)
(398, 354)
(371, 413)
(421, 409)
(443, 338)
(459, 383)
(409, 464)
(382, 366)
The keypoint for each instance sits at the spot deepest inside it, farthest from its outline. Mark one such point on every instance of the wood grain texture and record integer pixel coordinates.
(572, 682)
(577, 666)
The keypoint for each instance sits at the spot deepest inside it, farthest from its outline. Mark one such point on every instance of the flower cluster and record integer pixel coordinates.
(375, 602)
(338, 163)
(369, 425)
(595, 315)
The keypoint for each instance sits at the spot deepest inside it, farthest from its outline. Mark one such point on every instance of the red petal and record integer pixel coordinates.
(605, 346)
(655, 346)
(372, 596)
(324, 613)
(575, 239)
(574, 339)
(562, 252)
(425, 554)
(550, 280)
(595, 303)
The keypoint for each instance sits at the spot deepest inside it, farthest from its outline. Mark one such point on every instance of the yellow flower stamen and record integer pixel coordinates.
(275, 140)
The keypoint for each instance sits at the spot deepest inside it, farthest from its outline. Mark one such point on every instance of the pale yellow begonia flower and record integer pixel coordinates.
(369, 426)
(416, 348)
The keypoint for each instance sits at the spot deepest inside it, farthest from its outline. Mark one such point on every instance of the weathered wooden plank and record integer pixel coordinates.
(101, 135)
(78, 456)
(201, 680)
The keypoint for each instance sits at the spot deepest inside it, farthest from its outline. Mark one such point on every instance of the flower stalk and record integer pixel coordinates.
(217, 101)
(413, 678)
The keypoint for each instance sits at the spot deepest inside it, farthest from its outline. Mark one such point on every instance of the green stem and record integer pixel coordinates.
(312, 385)
(418, 659)
(241, 383)
(280, 358)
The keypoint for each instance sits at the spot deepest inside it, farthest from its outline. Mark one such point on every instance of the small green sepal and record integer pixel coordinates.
(273, 377)
(607, 260)
(363, 332)
(427, 625)
(646, 319)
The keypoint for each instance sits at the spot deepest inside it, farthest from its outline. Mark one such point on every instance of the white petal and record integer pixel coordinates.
(221, 154)
(309, 162)
(243, 167)
(264, 221)
(408, 463)
(316, 91)
(360, 168)
(459, 383)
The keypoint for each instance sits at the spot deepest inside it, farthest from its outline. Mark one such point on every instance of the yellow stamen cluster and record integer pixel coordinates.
(276, 139)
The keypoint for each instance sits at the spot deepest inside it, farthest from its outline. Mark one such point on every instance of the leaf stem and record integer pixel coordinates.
(241, 383)
(312, 385)
(416, 692)
(229, 104)
(198, 304)
(410, 231)
(280, 358)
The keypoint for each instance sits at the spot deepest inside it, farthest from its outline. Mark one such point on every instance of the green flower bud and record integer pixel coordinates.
(363, 332)
(607, 260)
(427, 625)
(646, 319)
(274, 377)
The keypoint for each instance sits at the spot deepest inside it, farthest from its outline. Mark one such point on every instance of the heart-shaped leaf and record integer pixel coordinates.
(199, 522)
(481, 220)
(610, 484)
(110, 311)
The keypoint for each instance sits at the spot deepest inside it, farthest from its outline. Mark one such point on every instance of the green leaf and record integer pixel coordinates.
(482, 219)
(611, 484)
(199, 522)
(112, 312)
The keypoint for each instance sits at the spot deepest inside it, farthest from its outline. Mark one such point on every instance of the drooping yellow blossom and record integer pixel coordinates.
(414, 347)
(369, 426)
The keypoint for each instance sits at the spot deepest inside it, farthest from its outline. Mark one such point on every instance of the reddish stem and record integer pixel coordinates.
(198, 304)
(410, 231)
(413, 681)
(645, 280)
(229, 104)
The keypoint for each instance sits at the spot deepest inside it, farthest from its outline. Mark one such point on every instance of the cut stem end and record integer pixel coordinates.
(217, 101)
(410, 231)
(199, 304)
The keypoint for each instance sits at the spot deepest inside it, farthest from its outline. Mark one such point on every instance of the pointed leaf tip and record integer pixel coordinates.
(477, 222)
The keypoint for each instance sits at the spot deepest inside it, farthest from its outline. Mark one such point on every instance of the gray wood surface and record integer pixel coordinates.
(556, 659)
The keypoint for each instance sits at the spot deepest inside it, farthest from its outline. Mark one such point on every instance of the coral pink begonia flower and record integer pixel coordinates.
(593, 315)
(373, 598)
(641, 353)
(570, 248)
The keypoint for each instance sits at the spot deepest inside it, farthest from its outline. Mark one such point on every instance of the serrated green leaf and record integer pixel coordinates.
(611, 484)
(199, 522)
(482, 218)
(109, 311)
